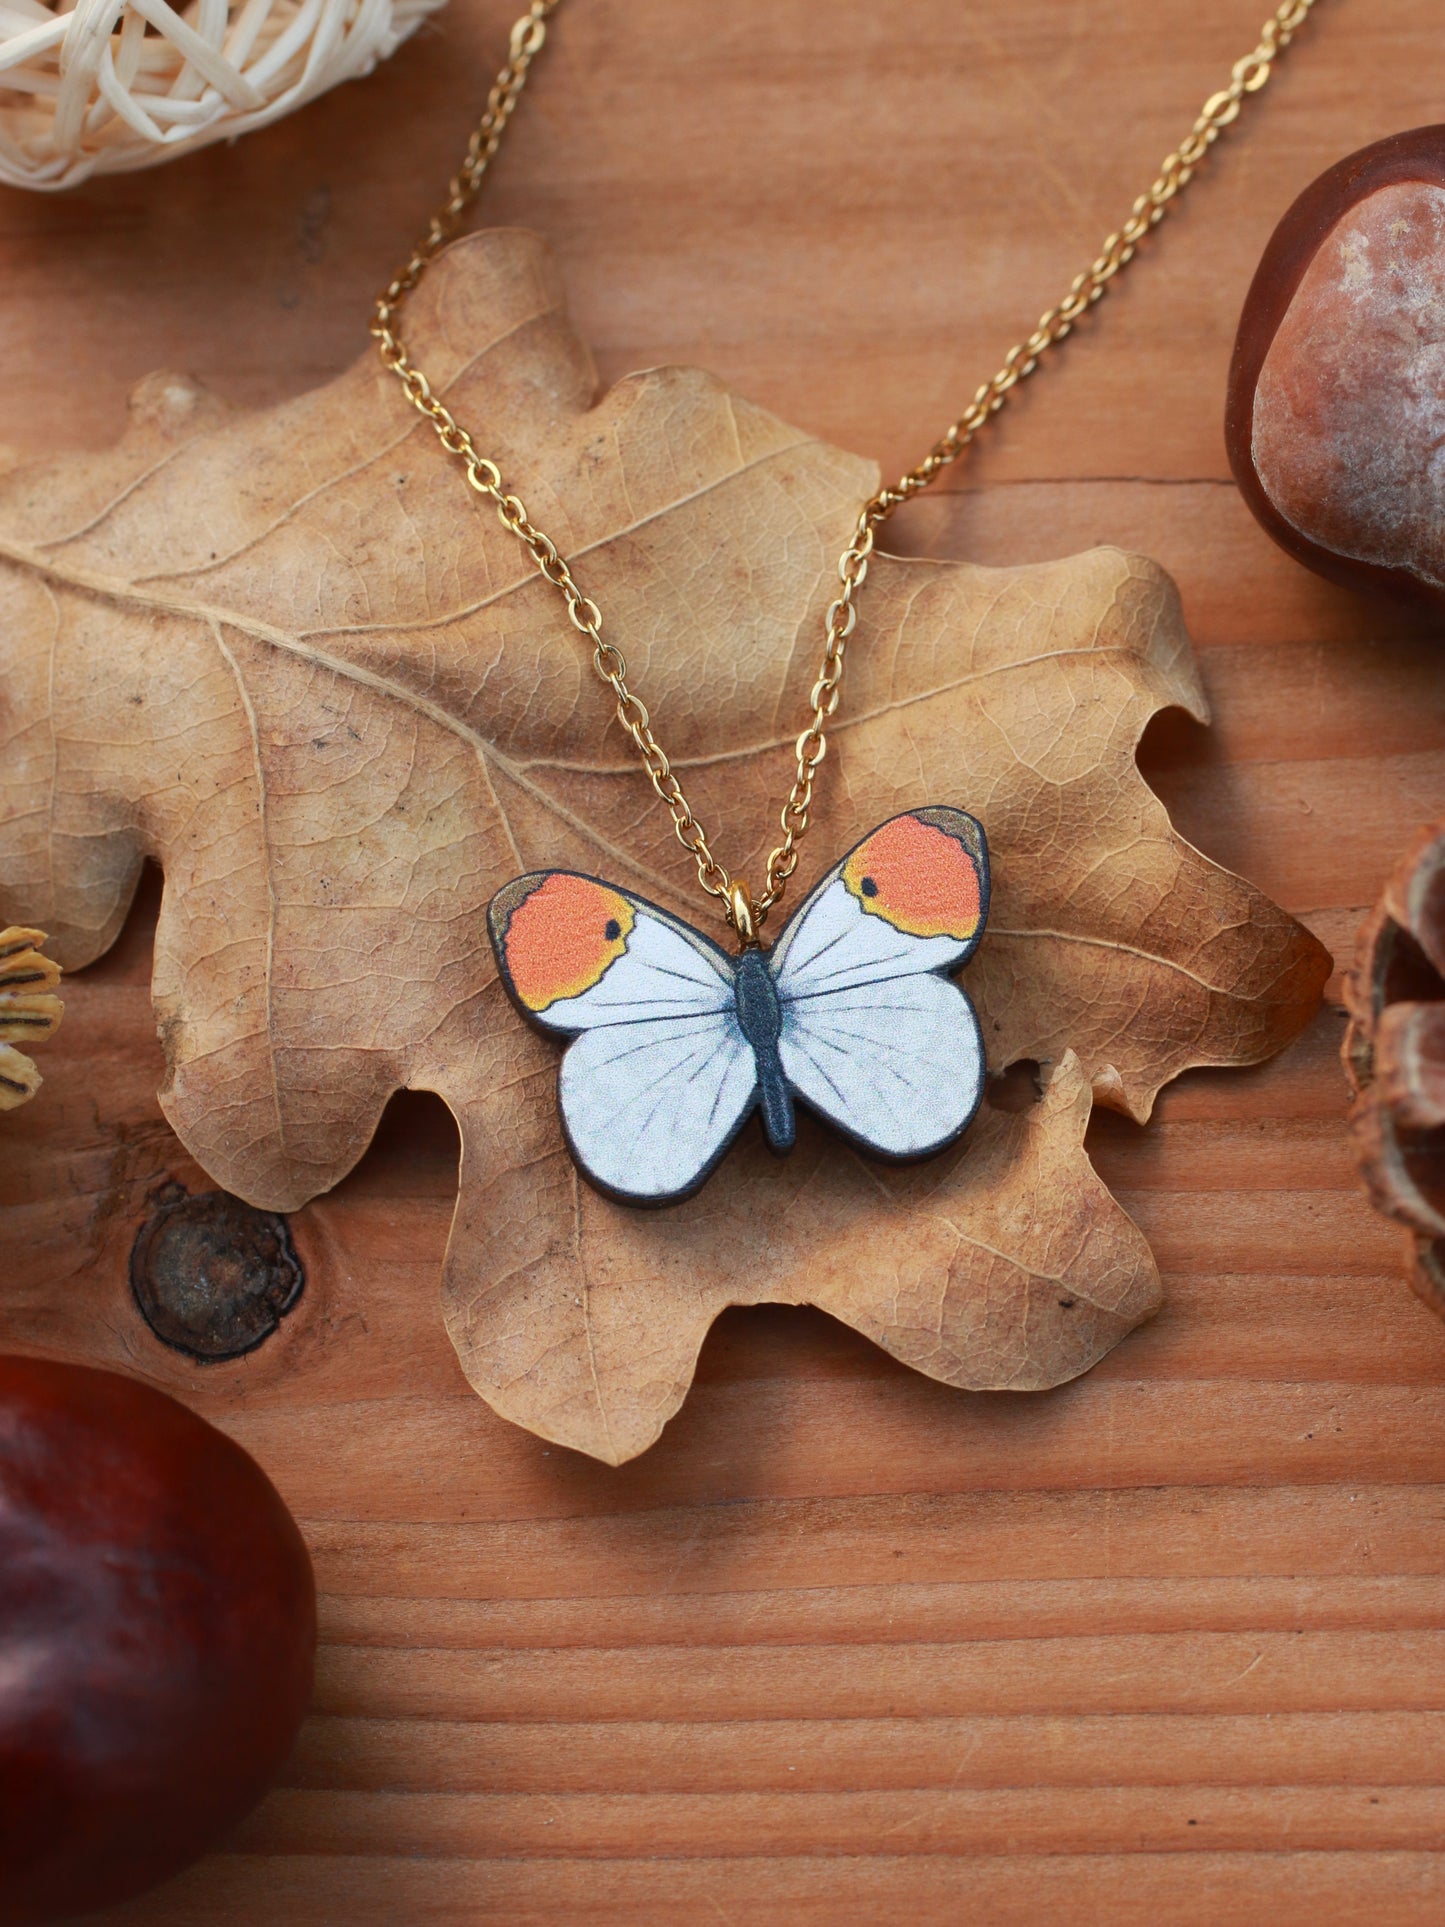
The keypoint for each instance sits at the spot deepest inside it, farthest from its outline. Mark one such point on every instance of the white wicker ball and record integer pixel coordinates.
(96, 86)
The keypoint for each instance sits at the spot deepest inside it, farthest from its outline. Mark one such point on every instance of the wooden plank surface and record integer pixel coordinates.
(1168, 1644)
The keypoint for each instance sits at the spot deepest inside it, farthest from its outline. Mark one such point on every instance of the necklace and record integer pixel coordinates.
(674, 1042)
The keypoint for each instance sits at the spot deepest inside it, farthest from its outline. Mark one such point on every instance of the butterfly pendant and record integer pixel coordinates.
(675, 1042)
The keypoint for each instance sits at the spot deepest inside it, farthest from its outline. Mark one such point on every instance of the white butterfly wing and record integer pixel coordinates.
(649, 1108)
(874, 1036)
(897, 1065)
(659, 1078)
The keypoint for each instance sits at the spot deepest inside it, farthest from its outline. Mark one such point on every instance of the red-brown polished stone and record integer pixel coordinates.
(1336, 415)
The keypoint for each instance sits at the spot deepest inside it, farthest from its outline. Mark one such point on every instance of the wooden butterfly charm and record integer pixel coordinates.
(675, 1043)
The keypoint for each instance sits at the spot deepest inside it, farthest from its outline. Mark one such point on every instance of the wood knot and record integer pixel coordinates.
(213, 1276)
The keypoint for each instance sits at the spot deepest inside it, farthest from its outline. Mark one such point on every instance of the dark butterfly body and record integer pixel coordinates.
(676, 1043)
(760, 1019)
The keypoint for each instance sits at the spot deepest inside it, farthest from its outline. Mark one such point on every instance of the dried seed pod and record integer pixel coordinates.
(29, 1011)
(1336, 409)
(1394, 1055)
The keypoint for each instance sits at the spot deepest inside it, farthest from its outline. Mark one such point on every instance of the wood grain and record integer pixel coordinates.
(1163, 1645)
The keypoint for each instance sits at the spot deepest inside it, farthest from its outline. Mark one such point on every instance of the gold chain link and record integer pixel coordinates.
(529, 33)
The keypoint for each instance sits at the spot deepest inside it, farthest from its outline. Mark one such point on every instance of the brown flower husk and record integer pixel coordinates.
(296, 659)
(29, 1011)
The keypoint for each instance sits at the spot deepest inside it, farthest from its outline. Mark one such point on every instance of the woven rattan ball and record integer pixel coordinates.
(98, 86)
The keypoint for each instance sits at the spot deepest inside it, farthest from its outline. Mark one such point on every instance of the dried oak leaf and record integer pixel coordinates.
(295, 659)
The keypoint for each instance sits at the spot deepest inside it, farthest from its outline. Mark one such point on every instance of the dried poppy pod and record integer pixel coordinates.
(1394, 1054)
(29, 1011)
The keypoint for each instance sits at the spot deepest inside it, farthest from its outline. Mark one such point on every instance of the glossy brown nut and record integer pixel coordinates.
(157, 1636)
(1335, 420)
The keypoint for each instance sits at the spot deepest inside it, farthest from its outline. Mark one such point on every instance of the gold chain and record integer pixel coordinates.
(528, 36)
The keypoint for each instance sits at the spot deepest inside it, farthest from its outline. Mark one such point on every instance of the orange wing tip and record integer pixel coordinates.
(917, 877)
(559, 938)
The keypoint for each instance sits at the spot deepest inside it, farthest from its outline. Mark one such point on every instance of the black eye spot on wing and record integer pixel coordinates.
(868, 887)
(613, 930)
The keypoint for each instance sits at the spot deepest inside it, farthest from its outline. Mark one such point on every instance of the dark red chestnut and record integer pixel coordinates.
(1336, 414)
(157, 1633)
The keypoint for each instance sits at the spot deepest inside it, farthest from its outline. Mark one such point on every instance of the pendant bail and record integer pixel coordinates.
(741, 914)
